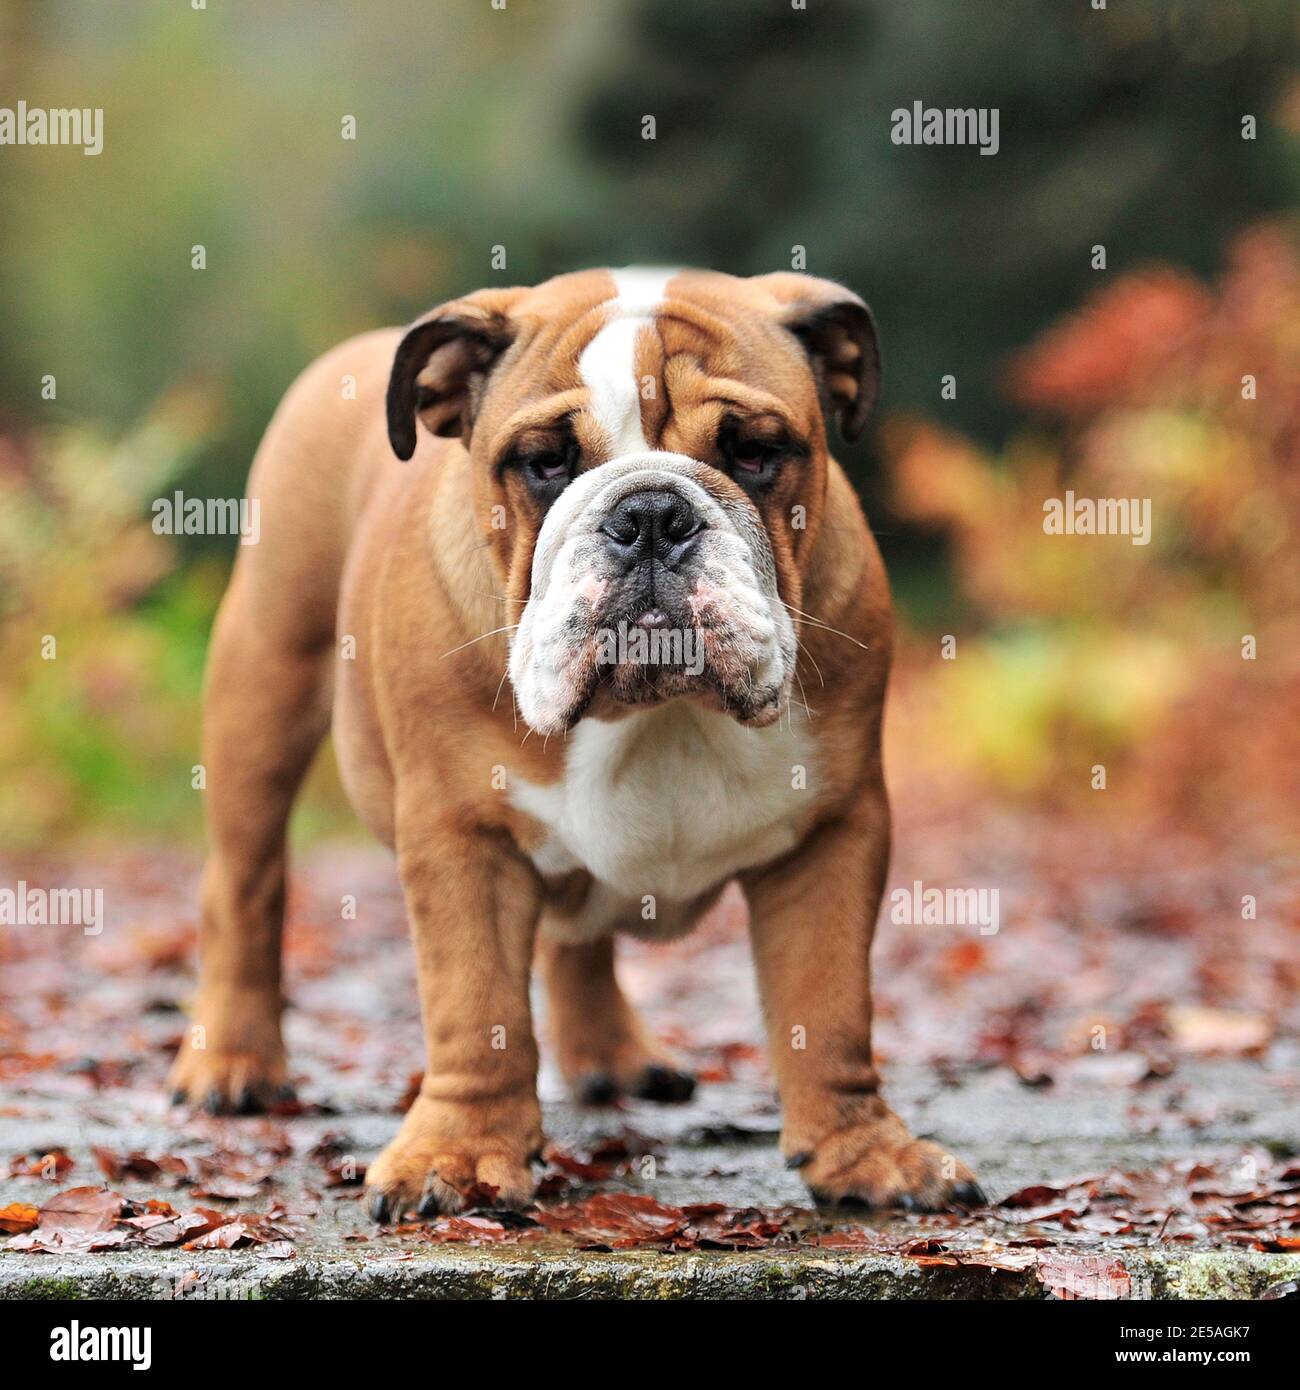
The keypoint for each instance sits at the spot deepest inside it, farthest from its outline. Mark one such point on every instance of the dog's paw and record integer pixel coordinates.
(447, 1157)
(659, 1081)
(232, 1066)
(601, 1069)
(878, 1164)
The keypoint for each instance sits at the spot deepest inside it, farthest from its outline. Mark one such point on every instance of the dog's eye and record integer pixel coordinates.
(547, 467)
(749, 455)
(753, 461)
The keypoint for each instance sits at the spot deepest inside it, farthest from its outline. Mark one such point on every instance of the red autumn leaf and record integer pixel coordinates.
(717, 1227)
(1036, 1195)
(619, 1221)
(577, 1168)
(471, 1230)
(615, 1219)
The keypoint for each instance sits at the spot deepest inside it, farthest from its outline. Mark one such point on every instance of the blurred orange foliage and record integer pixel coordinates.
(1091, 649)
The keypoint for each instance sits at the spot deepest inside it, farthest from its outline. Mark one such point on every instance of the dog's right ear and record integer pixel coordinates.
(442, 363)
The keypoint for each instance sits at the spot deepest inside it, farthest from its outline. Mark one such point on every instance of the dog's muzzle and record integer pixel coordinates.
(651, 546)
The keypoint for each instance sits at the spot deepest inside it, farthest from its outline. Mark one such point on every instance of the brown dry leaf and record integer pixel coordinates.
(1072, 1276)
(719, 1228)
(224, 1237)
(51, 1166)
(471, 1230)
(620, 1221)
(74, 1241)
(1037, 1195)
(577, 1168)
(115, 1167)
(615, 1220)
(81, 1209)
(174, 1230)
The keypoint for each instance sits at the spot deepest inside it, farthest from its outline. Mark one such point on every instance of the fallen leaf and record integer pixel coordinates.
(51, 1166)
(18, 1217)
(1072, 1276)
(81, 1209)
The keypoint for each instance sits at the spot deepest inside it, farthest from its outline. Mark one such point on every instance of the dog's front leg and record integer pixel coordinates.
(473, 911)
(812, 919)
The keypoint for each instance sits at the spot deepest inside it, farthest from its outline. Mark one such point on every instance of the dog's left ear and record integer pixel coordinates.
(441, 364)
(839, 335)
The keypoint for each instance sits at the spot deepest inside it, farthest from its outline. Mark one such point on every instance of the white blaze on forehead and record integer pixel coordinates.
(608, 362)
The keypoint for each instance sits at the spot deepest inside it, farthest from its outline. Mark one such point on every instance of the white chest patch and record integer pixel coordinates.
(670, 803)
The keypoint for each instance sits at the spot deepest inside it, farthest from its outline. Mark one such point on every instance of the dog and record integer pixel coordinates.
(599, 627)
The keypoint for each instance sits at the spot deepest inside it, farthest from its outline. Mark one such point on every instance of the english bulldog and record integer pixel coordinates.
(599, 627)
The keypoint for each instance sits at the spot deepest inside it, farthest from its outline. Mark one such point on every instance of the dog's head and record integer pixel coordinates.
(650, 471)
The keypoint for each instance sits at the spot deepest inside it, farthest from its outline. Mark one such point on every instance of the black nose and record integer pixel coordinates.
(654, 525)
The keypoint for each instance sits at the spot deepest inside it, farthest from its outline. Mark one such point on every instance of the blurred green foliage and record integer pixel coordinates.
(521, 128)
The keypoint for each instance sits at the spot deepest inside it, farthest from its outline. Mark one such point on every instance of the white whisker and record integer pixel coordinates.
(825, 627)
(509, 627)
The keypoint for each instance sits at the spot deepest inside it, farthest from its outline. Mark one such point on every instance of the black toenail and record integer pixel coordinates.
(246, 1103)
(970, 1194)
(909, 1203)
(379, 1208)
(213, 1102)
(799, 1160)
(178, 1097)
(428, 1205)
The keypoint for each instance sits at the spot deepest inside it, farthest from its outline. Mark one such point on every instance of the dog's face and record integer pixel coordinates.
(650, 470)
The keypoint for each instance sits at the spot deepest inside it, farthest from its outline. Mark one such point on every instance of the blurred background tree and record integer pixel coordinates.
(521, 128)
